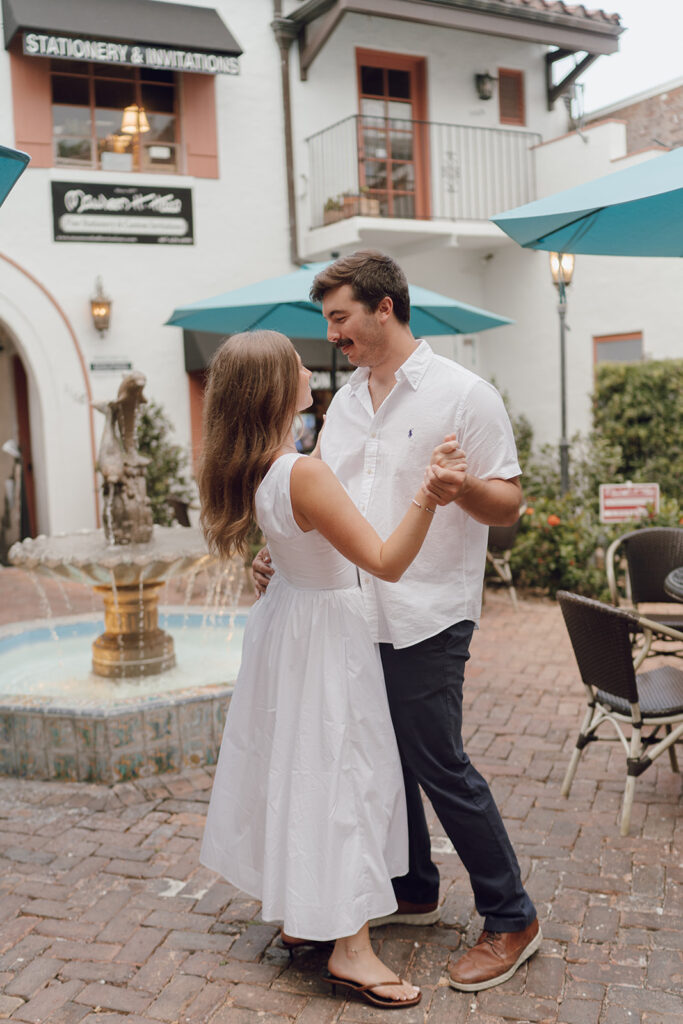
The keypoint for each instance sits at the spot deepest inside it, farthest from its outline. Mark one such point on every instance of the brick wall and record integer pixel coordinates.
(656, 119)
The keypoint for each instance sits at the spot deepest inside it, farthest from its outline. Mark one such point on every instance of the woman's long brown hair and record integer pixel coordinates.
(249, 404)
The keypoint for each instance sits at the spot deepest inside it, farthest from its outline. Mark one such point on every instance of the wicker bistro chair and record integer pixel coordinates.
(500, 542)
(651, 553)
(647, 701)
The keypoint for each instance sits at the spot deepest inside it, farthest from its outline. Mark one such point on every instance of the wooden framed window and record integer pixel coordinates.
(69, 114)
(511, 96)
(88, 101)
(618, 348)
(393, 137)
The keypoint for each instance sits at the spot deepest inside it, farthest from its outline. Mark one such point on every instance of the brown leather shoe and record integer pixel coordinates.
(410, 913)
(494, 959)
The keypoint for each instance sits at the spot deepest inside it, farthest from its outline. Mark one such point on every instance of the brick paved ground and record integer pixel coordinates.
(107, 917)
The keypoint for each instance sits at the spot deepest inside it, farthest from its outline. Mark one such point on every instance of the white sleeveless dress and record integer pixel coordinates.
(307, 811)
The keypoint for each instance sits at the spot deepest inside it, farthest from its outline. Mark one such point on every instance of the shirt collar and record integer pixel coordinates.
(412, 370)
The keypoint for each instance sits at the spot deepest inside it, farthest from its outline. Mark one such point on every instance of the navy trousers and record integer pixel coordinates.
(424, 686)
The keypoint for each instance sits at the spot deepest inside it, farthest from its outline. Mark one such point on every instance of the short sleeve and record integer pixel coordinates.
(485, 434)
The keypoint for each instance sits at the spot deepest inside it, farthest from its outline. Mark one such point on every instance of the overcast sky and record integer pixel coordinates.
(650, 51)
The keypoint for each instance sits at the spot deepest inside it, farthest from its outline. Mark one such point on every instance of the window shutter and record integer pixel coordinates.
(32, 107)
(199, 125)
(511, 96)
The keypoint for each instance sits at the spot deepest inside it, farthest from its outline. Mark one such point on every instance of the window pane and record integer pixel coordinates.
(402, 177)
(74, 152)
(114, 94)
(374, 143)
(375, 174)
(372, 81)
(107, 122)
(158, 97)
(401, 111)
(623, 350)
(70, 90)
(399, 84)
(402, 145)
(70, 120)
(69, 67)
(150, 75)
(162, 128)
(372, 108)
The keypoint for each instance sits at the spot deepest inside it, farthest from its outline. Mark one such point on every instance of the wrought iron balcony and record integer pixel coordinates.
(419, 170)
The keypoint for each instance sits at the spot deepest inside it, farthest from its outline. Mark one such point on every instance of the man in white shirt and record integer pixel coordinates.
(380, 431)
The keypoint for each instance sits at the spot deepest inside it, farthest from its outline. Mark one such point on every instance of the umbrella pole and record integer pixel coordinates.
(564, 443)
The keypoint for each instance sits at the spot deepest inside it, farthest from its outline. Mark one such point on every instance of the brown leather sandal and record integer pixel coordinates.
(366, 991)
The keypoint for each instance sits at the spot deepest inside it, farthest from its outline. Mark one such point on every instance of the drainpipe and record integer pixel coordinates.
(285, 33)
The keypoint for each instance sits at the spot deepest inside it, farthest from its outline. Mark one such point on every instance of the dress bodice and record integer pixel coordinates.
(305, 560)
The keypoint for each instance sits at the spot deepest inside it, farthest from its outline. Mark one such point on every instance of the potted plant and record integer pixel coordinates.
(368, 206)
(333, 210)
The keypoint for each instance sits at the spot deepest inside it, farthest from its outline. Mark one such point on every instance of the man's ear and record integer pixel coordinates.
(385, 308)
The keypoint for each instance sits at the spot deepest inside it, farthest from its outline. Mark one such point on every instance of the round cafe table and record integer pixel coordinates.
(673, 584)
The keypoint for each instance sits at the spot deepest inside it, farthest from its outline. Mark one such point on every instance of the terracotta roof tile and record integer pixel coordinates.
(571, 10)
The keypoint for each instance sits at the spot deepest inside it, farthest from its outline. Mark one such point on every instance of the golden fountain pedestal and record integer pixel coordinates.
(132, 644)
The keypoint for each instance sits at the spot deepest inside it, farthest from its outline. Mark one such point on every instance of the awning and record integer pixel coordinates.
(143, 33)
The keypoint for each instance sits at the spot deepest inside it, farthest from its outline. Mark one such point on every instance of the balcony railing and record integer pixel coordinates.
(420, 170)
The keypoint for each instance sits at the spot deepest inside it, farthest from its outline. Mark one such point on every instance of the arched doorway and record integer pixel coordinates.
(17, 480)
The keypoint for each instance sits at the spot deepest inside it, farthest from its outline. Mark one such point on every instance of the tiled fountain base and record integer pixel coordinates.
(133, 738)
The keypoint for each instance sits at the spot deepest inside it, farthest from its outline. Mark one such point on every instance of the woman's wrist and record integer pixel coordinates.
(424, 501)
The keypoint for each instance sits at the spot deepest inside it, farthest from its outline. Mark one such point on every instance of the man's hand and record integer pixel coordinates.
(261, 571)
(446, 476)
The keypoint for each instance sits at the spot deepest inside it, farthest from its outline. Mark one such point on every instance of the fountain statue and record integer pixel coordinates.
(130, 559)
(127, 509)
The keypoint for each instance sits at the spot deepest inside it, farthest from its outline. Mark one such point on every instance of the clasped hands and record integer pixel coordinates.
(446, 475)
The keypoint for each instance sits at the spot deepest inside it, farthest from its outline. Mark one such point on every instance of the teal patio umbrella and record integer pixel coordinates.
(12, 163)
(282, 304)
(634, 212)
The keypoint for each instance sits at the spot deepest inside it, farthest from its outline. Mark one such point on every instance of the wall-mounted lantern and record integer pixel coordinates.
(100, 307)
(484, 83)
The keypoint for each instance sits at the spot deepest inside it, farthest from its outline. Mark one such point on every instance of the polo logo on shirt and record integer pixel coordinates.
(410, 432)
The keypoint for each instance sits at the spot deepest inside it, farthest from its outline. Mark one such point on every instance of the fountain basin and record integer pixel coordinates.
(60, 721)
(129, 578)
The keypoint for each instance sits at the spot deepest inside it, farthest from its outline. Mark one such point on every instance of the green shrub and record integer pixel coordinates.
(638, 436)
(638, 407)
(168, 463)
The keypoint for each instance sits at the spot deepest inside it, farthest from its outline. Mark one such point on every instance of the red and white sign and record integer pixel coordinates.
(620, 503)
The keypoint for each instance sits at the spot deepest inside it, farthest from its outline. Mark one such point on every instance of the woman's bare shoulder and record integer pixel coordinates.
(310, 470)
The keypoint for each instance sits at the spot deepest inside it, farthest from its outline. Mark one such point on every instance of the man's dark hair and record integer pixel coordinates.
(372, 275)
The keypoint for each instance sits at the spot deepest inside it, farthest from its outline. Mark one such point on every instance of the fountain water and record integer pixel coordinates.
(154, 721)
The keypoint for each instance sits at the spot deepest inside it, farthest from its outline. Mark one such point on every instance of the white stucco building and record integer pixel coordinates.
(398, 124)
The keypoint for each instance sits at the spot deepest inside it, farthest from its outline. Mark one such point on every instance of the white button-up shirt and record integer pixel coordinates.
(380, 458)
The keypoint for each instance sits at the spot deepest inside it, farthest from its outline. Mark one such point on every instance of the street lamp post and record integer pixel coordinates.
(562, 269)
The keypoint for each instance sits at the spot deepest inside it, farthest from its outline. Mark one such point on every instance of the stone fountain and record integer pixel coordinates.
(129, 560)
(130, 723)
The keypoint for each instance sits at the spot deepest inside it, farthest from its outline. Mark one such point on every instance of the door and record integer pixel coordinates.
(393, 135)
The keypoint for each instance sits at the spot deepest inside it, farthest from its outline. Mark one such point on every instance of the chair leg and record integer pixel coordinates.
(630, 787)
(576, 753)
(672, 751)
(571, 771)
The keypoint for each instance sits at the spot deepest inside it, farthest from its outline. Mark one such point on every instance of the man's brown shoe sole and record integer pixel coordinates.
(479, 986)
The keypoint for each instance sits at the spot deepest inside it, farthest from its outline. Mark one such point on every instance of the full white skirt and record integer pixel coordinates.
(307, 812)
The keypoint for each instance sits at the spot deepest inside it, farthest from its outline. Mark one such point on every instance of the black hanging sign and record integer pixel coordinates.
(91, 212)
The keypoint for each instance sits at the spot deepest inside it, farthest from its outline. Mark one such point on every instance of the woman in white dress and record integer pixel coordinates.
(307, 812)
